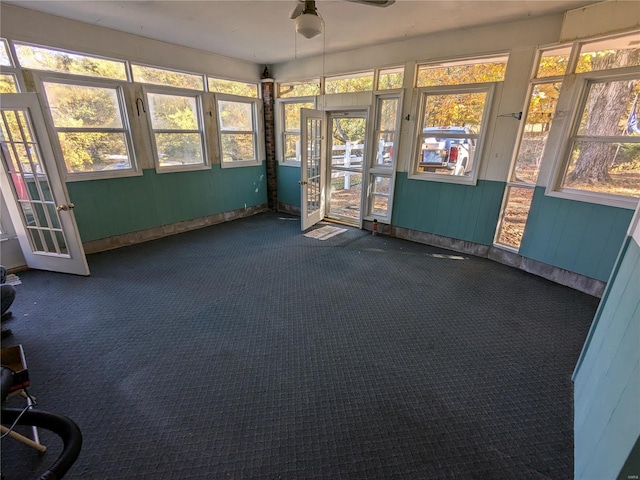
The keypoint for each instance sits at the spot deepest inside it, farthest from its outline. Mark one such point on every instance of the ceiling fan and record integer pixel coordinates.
(309, 22)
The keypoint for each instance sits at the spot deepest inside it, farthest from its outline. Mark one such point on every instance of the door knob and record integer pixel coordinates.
(302, 183)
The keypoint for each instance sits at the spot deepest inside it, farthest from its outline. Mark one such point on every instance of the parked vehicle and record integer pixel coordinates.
(442, 152)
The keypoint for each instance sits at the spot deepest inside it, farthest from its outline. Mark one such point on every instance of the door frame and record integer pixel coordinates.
(350, 112)
(74, 261)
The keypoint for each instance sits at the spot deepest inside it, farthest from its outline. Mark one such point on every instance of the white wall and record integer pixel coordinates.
(40, 28)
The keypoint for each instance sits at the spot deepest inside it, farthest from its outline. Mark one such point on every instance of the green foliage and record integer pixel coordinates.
(351, 84)
(160, 76)
(40, 58)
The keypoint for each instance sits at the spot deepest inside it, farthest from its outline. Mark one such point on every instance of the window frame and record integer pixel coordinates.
(120, 87)
(576, 96)
(257, 132)
(420, 95)
(280, 122)
(177, 92)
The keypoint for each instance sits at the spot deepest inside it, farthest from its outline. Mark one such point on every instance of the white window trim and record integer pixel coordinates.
(576, 95)
(279, 118)
(40, 78)
(258, 130)
(418, 110)
(180, 92)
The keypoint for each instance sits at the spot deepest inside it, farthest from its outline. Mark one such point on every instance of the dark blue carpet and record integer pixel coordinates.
(248, 351)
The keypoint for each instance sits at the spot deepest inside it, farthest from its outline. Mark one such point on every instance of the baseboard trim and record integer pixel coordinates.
(579, 282)
(154, 233)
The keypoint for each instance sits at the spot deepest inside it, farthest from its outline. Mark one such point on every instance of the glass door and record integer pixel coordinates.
(33, 191)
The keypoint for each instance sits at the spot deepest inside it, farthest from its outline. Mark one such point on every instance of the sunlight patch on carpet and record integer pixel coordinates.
(324, 233)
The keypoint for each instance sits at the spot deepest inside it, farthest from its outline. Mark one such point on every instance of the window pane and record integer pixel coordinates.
(603, 167)
(460, 109)
(5, 58)
(160, 76)
(610, 53)
(553, 62)
(385, 149)
(380, 190)
(608, 108)
(390, 78)
(94, 151)
(235, 116)
(542, 108)
(362, 82)
(237, 147)
(178, 149)
(40, 58)
(292, 115)
(8, 83)
(299, 89)
(78, 106)
(515, 216)
(234, 88)
(292, 147)
(458, 73)
(388, 114)
(173, 112)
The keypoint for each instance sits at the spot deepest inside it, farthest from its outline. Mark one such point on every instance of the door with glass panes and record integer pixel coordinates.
(34, 193)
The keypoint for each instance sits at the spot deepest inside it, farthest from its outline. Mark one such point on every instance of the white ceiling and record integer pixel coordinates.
(262, 32)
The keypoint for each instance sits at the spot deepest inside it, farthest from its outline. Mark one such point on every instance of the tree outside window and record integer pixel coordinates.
(92, 132)
(238, 130)
(177, 130)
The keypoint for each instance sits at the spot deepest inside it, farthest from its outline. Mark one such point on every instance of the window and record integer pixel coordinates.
(533, 139)
(450, 125)
(177, 131)
(604, 147)
(290, 127)
(92, 128)
(309, 88)
(479, 70)
(170, 78)
(41, 58)
(8, 77)
(233, 88)
(554, 62)
(354, 82)
(609, 53)
(390, 78)
(238, 124)
(382, 165)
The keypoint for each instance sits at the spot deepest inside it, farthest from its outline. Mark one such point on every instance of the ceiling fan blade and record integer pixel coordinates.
(296, 12)
(374, 3)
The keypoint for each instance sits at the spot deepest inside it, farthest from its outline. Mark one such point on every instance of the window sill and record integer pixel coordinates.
(434, 177)
(101, 175)
(290, 164)
(182, 168)
(240, 163)
(593, 197)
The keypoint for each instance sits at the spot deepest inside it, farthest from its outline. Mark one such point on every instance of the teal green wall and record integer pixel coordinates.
(463, 212)
(104, 208)
(581, 237)
(288, 186)
(607, 377)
